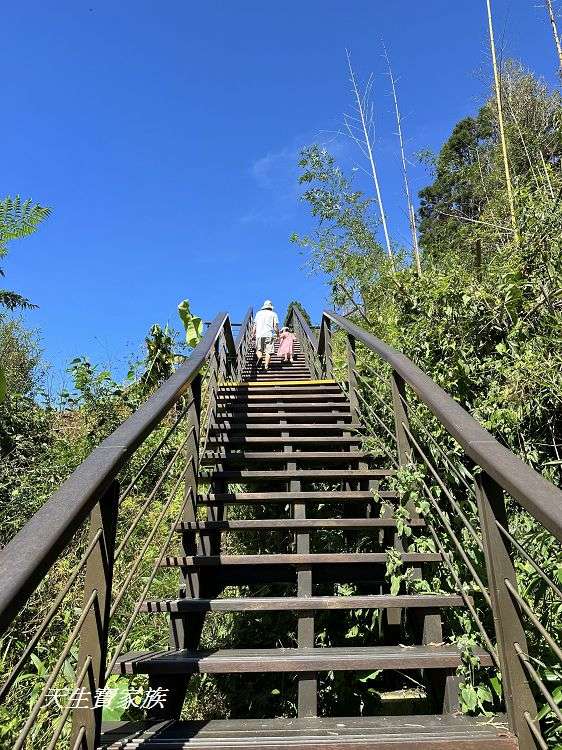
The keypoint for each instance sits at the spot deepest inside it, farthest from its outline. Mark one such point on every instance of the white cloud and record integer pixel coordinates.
(276, 168)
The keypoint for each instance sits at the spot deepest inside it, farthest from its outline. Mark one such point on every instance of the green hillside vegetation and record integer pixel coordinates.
(484, 320)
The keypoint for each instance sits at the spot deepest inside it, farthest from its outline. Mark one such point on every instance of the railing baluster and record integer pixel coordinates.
(507, 616)
(328, 358)
(352, 378)
(404, 451)
(94, 633)
(400, 409)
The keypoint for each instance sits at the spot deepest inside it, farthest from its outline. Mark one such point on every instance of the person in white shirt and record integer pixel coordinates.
(266, 329)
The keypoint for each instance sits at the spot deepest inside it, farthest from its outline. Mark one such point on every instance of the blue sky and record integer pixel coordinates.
(165, 137)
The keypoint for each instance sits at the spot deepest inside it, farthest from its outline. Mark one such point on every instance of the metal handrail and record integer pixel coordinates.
(25, 560)
(539, 498)
(311, 336)
(243, 326)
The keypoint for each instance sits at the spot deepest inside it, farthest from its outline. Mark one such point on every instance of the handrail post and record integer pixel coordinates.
(400, 411)
(507, 615)
(94, 633)
(352, 377)
(404, 450)
(328, 358)
(185, 630)
(191, 478)
(222, 357)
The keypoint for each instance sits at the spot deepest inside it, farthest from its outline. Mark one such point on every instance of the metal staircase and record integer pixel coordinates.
(286, 450)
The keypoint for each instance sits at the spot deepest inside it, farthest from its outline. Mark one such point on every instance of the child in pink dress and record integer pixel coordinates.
(286, 344)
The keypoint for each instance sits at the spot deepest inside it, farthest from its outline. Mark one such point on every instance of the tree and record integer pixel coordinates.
(344, 246)
(361, 129)
(300, 308)
(17, 219)
(467, 199)
(458, 194)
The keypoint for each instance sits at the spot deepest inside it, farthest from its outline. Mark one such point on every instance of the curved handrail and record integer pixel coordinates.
(26, 558)
(242, 330)
(311, 336)
(537, 496)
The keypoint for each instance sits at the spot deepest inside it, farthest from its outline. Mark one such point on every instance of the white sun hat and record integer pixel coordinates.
(267, 305)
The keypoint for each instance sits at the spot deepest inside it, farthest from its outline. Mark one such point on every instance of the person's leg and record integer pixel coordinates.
(259, 350)
(268, 351)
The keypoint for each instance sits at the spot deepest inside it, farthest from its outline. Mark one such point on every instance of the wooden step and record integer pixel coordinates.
(290, 524)
(278, 367)
(233, 418)
(286, 386)
(329, 558)
(324, 440)
(262, 660)
(282, 475)
(263, 498)
(327, 456)
(280, 389)
(277, 376)
(292, 382)
(258, 397)
(335, 407)
(293, 426)
(432, 732)
(296, 603)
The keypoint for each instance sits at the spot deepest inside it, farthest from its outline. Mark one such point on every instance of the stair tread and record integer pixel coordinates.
(447, 732)
(223, 397)
(290, 558)
(289, 456)
(347, 658)
(288, 524)
(330, 409)
(289, 497)
(284, 603)
(288, 383)
(242, 428)
(280, 407)
(297, 474)
(274, 415)
(291, 439)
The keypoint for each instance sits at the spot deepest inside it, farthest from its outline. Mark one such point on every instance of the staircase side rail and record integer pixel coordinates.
(27, 558)
(242, 342)
(499, 473)
(308, 340)
(534, 493)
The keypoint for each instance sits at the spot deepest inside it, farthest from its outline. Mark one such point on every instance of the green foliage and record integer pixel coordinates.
(343, 245)
(483, 322)
(467, 200)
(17, 219)
(301, 309)
(192, 324)
(160, 358)
(475, 696)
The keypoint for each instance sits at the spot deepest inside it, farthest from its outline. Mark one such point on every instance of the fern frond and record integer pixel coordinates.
(11, 300)
(19, 218)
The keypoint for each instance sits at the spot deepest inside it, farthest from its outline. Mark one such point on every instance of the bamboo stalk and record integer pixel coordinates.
(409, 204)
(552, 16)
(501, 123)
(361, 110)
